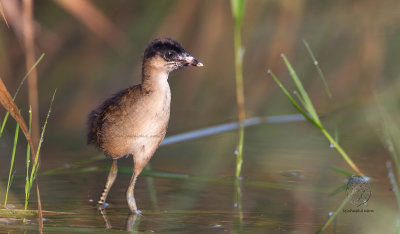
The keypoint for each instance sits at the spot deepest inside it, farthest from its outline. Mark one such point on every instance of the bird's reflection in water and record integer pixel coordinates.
(105, 217)
(132, 221)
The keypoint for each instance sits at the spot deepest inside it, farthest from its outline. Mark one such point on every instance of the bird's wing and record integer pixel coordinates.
(106, 110)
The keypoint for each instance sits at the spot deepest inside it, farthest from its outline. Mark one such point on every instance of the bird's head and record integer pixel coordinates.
(168, 55)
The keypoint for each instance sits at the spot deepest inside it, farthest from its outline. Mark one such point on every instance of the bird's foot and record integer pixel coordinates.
(139, 212)
(102, 205)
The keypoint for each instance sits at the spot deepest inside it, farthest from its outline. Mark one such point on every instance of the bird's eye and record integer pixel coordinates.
(169, 54)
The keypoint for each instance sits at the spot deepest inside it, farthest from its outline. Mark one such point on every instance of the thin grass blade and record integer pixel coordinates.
(16, 92)
(28, 163)
(309, 107)
(301, 100)
(35, 166)
(308, 104)
(342, 152)
(343, 172)
(320, 73)
(291, 99)
(27, 74)
(8, 103)
(4, 123)
(333, 216)
(12, 163)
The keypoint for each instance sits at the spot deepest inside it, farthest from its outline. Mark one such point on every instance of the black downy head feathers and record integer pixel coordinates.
(166, 48)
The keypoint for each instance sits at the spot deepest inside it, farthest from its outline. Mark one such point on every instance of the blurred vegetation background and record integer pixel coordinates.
(94, 49)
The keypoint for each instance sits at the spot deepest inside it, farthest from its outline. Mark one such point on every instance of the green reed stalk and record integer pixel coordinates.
(239, 151)
(237, 7)
(35, 166)
(28, 162)
(10, 176)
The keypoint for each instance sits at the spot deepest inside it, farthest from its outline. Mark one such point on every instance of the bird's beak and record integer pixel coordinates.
(190, 60)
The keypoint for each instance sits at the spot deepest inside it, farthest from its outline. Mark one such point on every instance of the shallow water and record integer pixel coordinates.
(285, 188)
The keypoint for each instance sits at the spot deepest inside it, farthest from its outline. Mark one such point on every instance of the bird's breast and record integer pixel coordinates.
(149, 125)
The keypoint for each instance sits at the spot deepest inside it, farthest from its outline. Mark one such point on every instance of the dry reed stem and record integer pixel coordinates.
(95, 20)
(2, 14)
(29, 43)
(8, 103)
(28, 35)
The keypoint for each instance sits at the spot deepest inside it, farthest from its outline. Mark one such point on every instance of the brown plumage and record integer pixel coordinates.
(134, 121)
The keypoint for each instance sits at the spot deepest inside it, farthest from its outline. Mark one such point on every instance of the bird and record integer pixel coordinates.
(134, 121)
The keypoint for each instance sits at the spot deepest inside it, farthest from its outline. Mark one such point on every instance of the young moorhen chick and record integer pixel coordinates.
(134, 121)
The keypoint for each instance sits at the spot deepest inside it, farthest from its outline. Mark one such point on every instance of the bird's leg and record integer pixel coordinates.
(110, 181)
(129, 194)
(139, 164)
